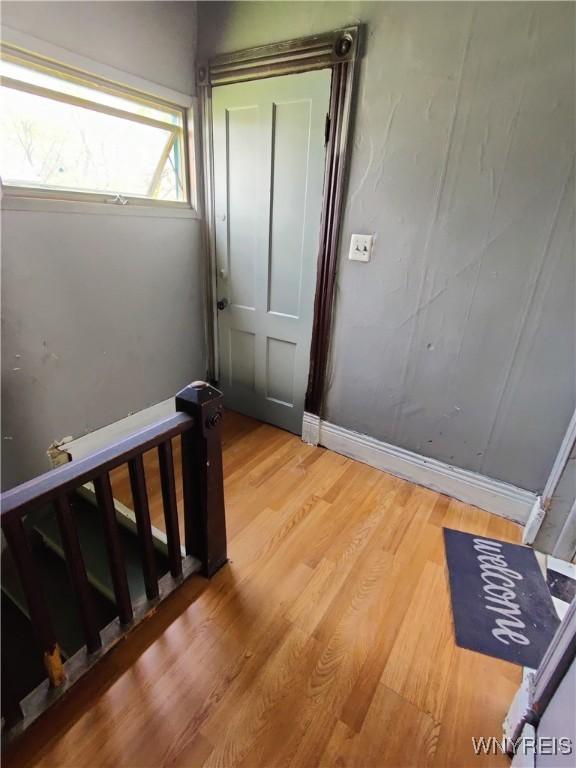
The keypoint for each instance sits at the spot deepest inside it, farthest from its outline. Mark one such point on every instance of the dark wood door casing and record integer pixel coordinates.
(339, 51)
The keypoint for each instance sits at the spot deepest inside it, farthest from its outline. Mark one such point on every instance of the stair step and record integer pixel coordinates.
(59, 595)
(93, 546)
(22, 667)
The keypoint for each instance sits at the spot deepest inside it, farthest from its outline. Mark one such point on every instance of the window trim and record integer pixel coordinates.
(30, 204)
(111, 200)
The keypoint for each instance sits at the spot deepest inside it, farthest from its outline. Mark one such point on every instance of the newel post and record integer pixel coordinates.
(202, 478)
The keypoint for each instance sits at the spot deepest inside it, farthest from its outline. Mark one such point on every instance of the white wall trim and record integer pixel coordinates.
(41, 47)
(565, 548)
(484, 492)
(49, 205)
(561, 543)
(534, 521)
(67, 449)
(78, 447)
(311, 428)
(560, 460)
(519, 710)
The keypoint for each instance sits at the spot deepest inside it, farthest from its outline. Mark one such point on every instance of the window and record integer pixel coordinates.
(66, 135)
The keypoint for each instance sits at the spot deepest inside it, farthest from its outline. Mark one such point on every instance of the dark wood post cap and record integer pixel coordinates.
(203, 401)
(197, 393)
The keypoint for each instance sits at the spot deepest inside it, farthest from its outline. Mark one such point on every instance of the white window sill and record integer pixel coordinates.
(18, 203)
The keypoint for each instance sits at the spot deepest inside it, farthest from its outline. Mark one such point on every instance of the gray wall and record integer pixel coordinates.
(153, 40)
(458, 340)
(102, 314)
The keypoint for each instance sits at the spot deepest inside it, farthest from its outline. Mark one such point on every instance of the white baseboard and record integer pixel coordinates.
(534, 521)
(311, 428)
(76, 448)
(481, 491)
(67, 449)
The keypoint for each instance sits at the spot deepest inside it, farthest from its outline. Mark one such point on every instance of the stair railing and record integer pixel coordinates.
(198, 421)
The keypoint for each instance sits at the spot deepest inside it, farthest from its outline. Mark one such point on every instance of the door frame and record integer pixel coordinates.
(539, 687)
(558, 539)
(339, 51)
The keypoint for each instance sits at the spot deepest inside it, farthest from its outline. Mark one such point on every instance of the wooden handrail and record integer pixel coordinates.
(45, 488)
(198, 421)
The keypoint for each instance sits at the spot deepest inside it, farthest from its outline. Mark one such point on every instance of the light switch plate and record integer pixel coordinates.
(361, 247)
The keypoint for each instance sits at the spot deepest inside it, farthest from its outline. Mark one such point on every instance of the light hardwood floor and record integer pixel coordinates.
(327, 640)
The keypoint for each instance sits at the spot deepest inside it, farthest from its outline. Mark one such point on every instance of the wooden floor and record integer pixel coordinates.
(327, 640)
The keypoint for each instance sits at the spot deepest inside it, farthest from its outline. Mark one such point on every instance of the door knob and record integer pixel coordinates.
(222, 303)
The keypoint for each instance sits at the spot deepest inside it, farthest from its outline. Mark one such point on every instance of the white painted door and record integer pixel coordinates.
(269, 151)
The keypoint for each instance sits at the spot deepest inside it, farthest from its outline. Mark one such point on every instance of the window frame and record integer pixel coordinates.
(16, 194)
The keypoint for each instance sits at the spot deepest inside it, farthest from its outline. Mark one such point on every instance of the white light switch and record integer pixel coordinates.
(361, 247)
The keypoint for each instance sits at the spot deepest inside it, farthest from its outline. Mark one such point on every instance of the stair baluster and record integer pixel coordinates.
(142, 513)
(198, 421)
(105, 502)
(42, 623)
(77, 571)
(166, 464)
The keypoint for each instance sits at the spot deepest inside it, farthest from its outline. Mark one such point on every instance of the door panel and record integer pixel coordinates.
(242, 219)
(291, 125)
(268, 177)
(242, 358)
(280, 367)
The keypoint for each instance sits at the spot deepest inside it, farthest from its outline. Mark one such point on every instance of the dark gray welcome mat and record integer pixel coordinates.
(500, 602)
